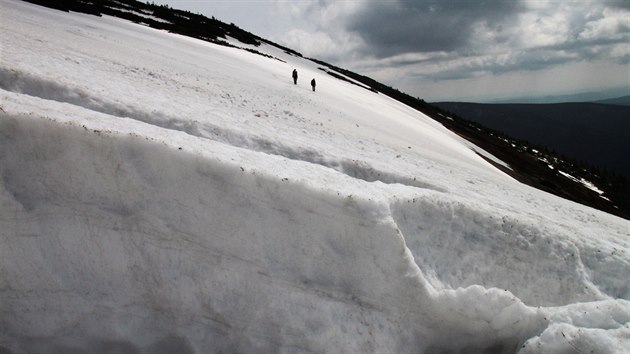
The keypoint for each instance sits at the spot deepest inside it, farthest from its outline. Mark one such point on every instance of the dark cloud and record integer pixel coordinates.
(620, 4)
(456, 39)
(391, 27)
(532, 60)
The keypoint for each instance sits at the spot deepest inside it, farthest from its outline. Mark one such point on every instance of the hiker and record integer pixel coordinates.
(313, 84)
(294, 76)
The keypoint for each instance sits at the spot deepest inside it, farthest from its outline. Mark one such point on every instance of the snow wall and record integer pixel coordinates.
(119, 242)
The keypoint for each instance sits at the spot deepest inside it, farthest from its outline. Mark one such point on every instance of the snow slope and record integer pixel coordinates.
(161, 194)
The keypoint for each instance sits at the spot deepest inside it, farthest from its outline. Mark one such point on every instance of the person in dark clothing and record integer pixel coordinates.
(313, 84)
(294, 76)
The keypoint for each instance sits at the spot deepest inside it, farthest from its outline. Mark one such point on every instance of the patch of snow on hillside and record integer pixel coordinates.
(584, 182)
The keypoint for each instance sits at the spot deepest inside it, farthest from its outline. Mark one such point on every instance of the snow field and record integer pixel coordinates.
(160, 272)
(164, 248)
(161, 194)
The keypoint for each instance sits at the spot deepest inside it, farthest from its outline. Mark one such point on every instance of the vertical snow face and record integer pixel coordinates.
(458, 244)
(114, 241)
(158, 242)
(160, 194)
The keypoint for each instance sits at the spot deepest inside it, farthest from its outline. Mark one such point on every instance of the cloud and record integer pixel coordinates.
(322, 45)
(320, 28)
(395, 27)
(471, 39)
(619, 4)
(453, 40)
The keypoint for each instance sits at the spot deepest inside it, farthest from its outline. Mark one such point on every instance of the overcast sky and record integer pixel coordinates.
(450, 49)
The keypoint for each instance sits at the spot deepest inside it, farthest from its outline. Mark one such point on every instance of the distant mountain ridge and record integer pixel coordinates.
(594, 96)
(623, 101)
(592, 132)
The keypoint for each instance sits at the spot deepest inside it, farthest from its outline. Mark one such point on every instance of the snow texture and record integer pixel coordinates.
(160, 194)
